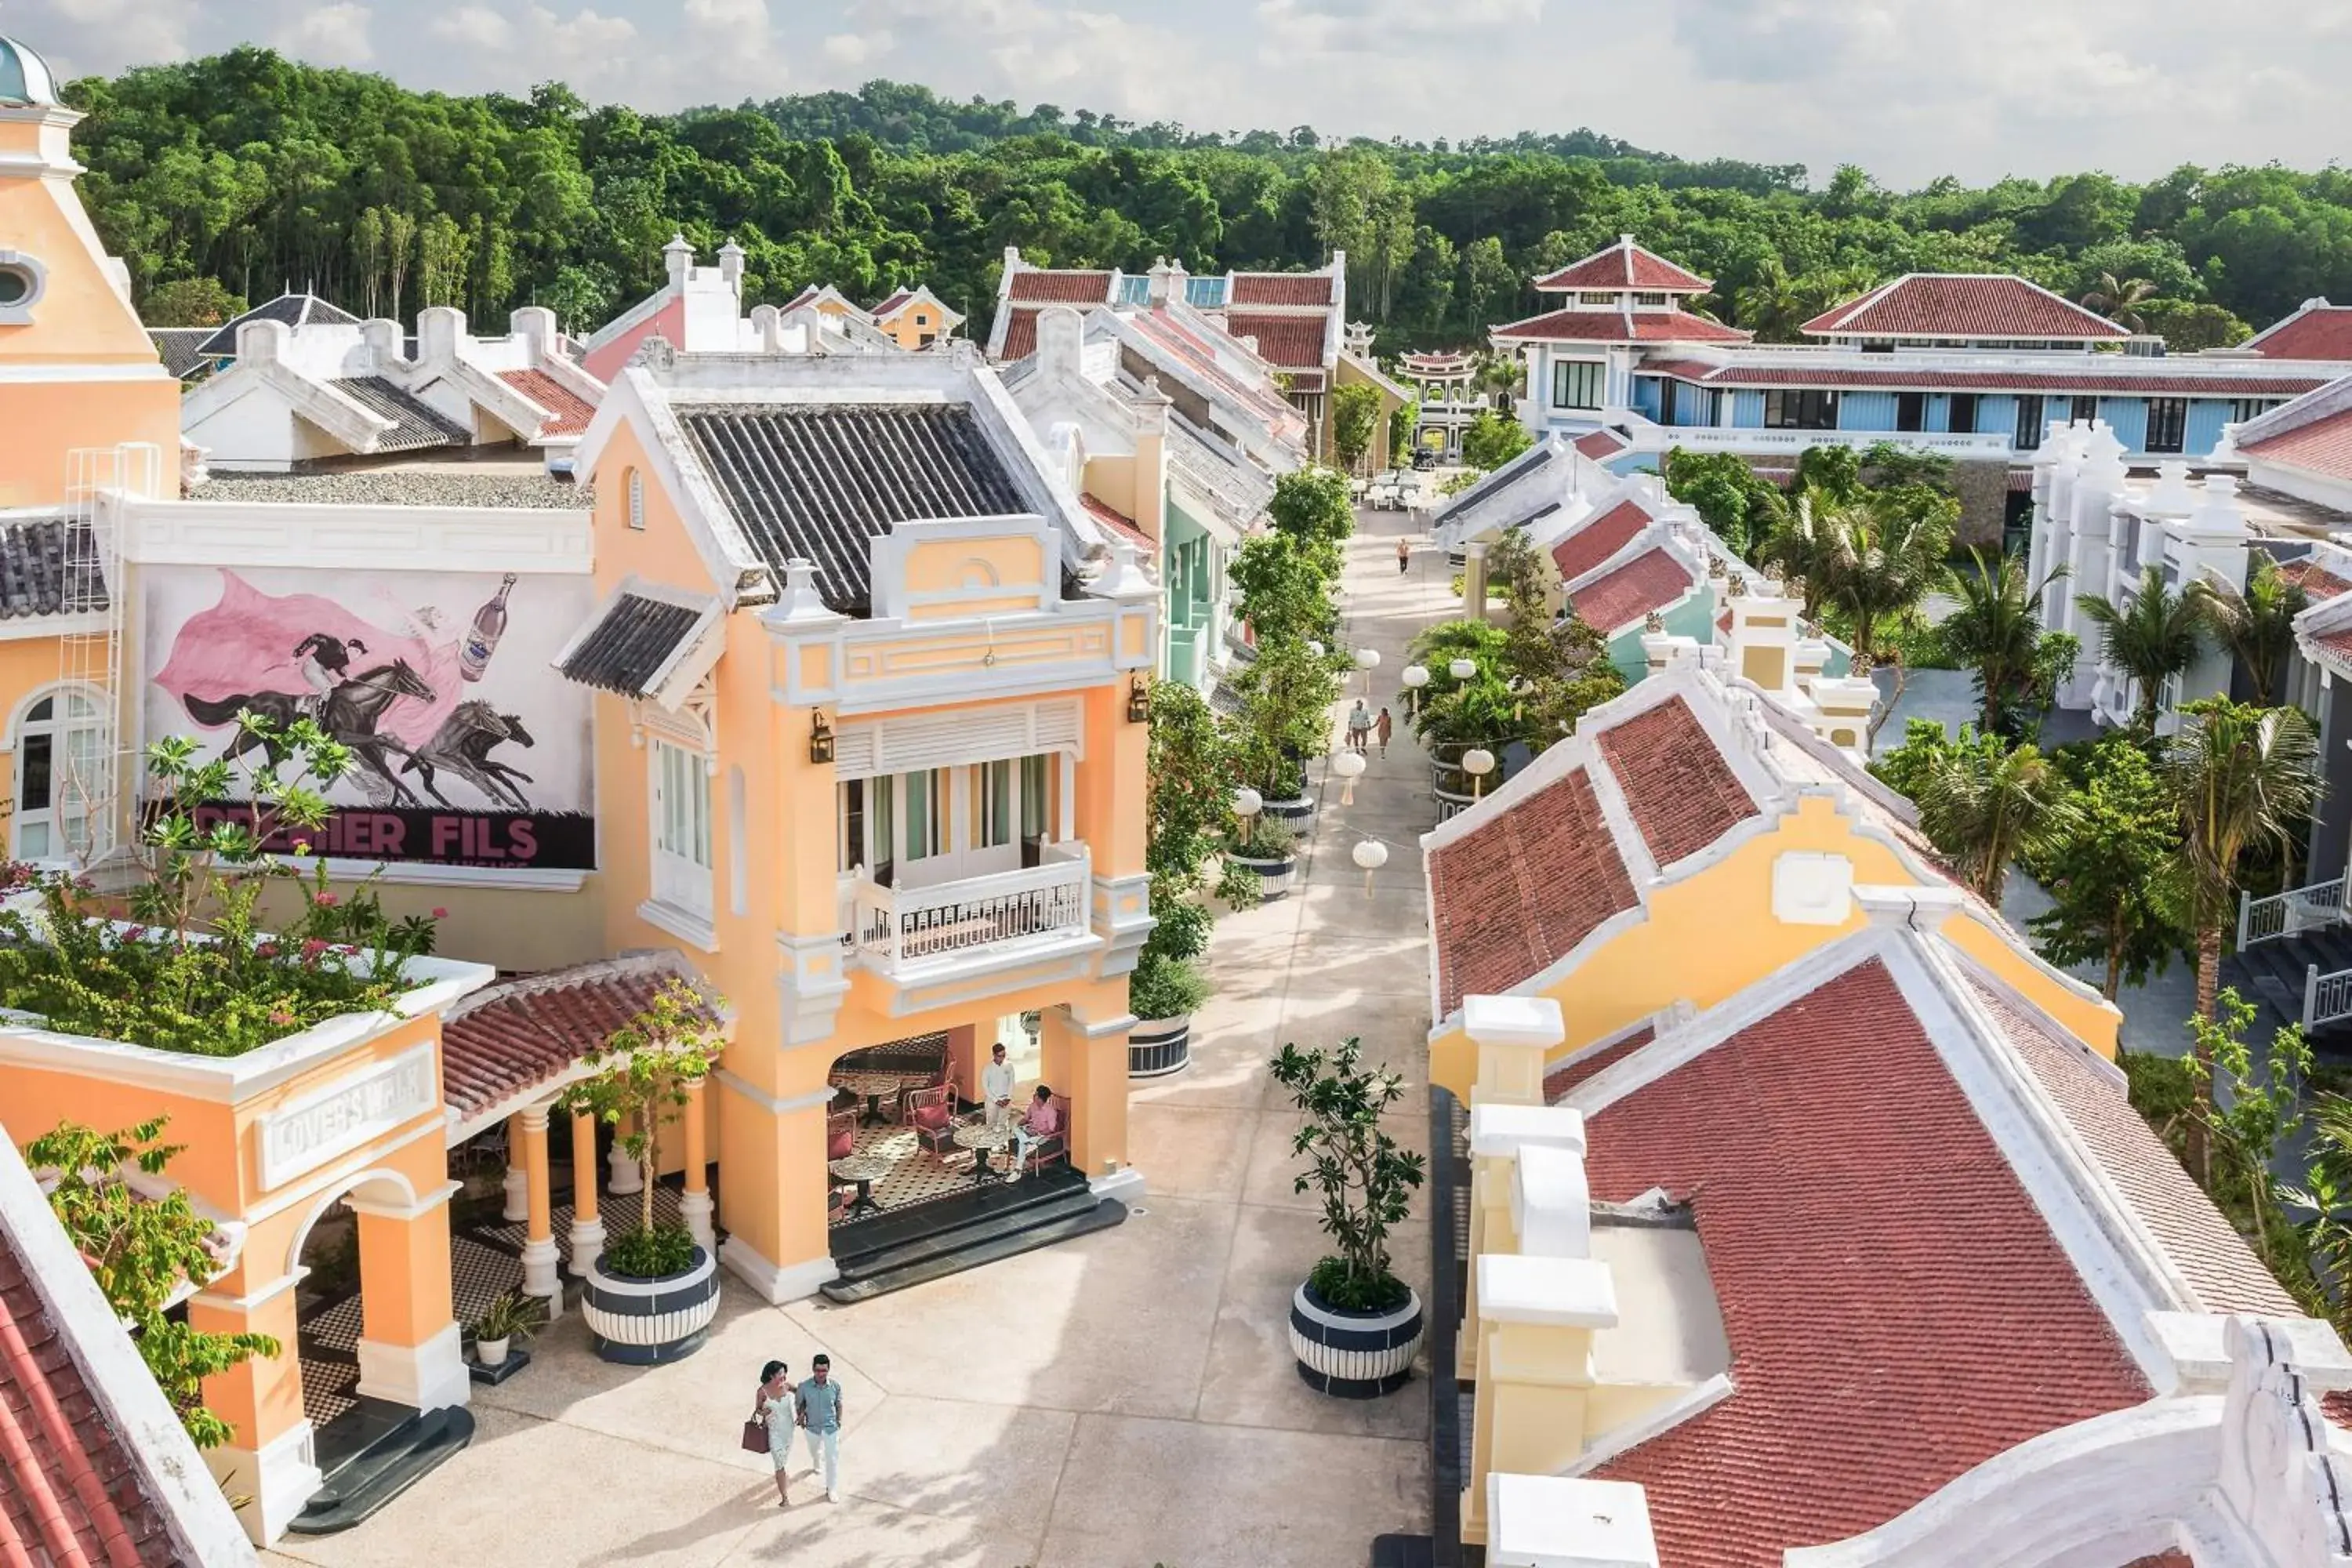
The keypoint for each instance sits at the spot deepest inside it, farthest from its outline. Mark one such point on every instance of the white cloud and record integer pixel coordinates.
(474, 27)
(857, 48)
(333, 34)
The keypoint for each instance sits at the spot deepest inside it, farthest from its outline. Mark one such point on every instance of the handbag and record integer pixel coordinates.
(755, 1436)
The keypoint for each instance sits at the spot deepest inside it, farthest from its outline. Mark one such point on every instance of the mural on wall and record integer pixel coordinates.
(468, 747)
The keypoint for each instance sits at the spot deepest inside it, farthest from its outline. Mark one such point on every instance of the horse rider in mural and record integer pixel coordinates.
(325, 663)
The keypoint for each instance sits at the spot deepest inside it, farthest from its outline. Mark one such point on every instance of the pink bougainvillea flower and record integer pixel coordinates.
(440, 914)
(281, 1017)
(325, 901)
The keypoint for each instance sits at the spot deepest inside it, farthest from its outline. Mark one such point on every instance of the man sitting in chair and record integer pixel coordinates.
(996, 1086)
(1041, 1122)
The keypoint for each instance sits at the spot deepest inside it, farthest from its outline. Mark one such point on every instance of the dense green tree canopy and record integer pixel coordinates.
(259, 173)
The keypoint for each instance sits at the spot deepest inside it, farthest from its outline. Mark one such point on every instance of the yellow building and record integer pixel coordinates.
(916, 316)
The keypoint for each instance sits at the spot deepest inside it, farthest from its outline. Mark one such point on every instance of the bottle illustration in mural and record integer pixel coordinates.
(482, 637)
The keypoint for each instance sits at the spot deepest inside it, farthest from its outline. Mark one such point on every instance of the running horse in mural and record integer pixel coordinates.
(347, 712)
(462, 746)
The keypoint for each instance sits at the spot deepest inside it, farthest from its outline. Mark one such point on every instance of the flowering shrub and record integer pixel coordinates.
(192, 971)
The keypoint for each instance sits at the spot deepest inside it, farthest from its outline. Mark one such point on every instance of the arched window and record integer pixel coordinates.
(60, 745)
(636, 487)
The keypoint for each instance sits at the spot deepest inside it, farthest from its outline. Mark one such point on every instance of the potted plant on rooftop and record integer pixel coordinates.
(650, 1296)
(1355, 1327)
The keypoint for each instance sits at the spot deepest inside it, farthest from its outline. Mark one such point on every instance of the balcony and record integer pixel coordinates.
(1652, 437)
(944, 942)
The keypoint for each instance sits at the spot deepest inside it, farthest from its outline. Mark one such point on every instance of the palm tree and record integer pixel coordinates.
(2258, 624)
(2242, 777)
(1771, 307)
(2116, 301)
(1996, 631)
(1984, 803)
(1876, 557)
(2151, 640)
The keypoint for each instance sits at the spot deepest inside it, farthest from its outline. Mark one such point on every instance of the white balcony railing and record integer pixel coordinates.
(1751, 439)
(2327, 998)
(899, 930)
(2285, 915)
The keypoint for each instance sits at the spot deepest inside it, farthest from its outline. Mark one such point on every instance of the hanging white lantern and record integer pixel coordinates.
(1247, 802)
(1463, 668)
(1414, 676)
(1314, 647)
(1367, 659)
(1349, 767)
(1478, 762)
(1372, 855)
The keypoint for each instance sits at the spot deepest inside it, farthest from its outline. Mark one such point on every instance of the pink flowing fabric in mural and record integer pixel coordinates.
(246, 645)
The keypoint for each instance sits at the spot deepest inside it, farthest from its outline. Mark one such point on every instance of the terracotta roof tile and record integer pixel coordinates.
(2220, 383)
(2323, 446)
(1620, 327)
(1118, 522)
(1522, 889)
(570, 412)
(512, 1037)
(2203, 1245)
(1591, 1064)
(79, 1498)
(1602, 444)
(2316, 582)
(2320, 332)
(1962, 305)
(1052, 285)
(1896, 1308)
(1020, 335)
(2171, 1557)
(1651, 581)
(1624, 265)
(1681, 793)
(897, 299)
(1291, 343)
(1281, 288)
(1599, 538)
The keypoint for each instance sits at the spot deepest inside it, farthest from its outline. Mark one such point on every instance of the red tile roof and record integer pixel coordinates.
(512, 1037)
(570, 412)
(2052, 380)
(1683, 795)
(1651, 581)
(1896, 1308)
(1020, 335)
(2316, 582)
(2203, 1245)
(2318, 331)
(1281, 288)
(1592, 1064)
(1962, 305)
(1624, 265)
(892, 303)
(1519, 891)
(1619, 327)
(1253, 389)
(1602, 444)
(2323, 446)
(70, 1490)
(1599, 538)
(1292, 342)
(1118, 522)
(1051, 286)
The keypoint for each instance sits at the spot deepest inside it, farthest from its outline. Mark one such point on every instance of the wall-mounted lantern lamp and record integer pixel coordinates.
(1139, 701)
(820, 738)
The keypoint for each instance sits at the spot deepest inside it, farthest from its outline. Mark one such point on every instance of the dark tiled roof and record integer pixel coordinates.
(1291, 343)
(1494, 483)
(1282, 289)
(820, 481)
(569, 412)
(36, 560)
(181, 348)
(1896, 1306)
(294, 310)
(1962, 305)
(1682, 794)
(413, 424)
(73, 1494)
(512, 1037)
(630, 643)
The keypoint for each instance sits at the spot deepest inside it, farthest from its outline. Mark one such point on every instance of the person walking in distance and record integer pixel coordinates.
(1381, 729)
(773, 1407)
(1359, 726)
(1404, 555)
(821, 1414)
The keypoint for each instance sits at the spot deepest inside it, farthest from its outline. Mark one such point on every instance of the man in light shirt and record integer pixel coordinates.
(996, 1086)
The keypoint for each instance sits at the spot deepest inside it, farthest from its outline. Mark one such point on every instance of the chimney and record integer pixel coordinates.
(261, 342)
(679, 257)
(1061, 339)
(383, 341)
(730, 264)
(1166, 280)
(439, 329)
(535, 325)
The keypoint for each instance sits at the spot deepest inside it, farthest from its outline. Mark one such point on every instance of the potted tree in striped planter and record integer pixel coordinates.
(1355, 1327)
(650, 1296)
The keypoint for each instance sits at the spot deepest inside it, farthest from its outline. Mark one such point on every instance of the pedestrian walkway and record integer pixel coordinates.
(1122, 1399)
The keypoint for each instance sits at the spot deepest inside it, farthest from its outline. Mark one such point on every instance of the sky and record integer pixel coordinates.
(1908, 89)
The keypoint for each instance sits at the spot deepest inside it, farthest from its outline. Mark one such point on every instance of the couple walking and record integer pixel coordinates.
(815, 1407)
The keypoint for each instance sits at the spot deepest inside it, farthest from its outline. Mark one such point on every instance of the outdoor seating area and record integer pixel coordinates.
(899, 1134)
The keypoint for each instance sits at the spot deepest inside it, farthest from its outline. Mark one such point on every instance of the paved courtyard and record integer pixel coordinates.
(1121, 1401)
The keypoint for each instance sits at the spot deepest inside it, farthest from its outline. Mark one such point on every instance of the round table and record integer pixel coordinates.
(983, 1140)
(874, 1088)
(865, 1170)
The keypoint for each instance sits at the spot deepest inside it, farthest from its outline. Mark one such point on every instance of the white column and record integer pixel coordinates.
(625, 1178)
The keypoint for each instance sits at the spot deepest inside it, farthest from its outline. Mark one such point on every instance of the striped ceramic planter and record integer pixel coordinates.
(1158, 1046)
(1294, 811)
(647, 1322)
(1273, 876)
(1353, 1355)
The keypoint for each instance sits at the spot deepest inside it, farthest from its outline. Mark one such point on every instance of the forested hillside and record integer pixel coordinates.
(241, 174)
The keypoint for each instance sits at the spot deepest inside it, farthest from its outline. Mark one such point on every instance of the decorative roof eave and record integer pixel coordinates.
(691, 658)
